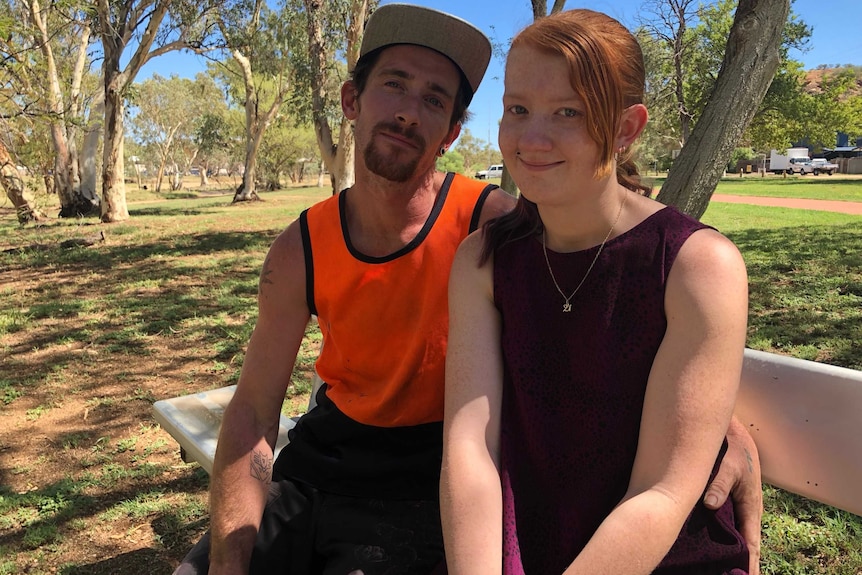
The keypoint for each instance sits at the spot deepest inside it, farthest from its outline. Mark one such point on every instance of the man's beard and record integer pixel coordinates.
(392, 167)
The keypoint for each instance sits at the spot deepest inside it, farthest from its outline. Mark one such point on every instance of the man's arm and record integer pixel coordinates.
(242, 469)
(739, 477)
(496, 204)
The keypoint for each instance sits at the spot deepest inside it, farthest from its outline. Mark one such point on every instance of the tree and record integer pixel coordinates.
(285, 147)
(164, 114)
(212, 136)
(49, 73)
(669, 24)
(477, 154)
(696, 70)
(451, 161)
(750, 61)
(154, 27)
(265, 47)
(333, 27)
(16, 191)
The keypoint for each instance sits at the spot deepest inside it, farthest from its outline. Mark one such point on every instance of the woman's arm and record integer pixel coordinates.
(687, 408)
(470, 494)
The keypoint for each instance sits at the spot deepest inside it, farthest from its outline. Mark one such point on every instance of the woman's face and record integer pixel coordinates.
(543, 134)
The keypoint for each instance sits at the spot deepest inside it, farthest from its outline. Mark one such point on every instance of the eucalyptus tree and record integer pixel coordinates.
(669, 22)
(265, 46)
(683, 62)
(287, 144)
(475, 153)
(16, 190)
(49, 72)
(149, 28)
(334, 28)
(751, 58)
(213, 137)
(164, 113)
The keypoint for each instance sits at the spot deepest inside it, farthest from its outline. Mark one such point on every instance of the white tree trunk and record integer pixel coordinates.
(16, 191)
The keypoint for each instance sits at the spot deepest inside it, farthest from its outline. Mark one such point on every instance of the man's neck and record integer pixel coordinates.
(384, 216)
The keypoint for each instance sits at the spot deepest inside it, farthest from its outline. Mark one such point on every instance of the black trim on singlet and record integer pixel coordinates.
(413, 244)
(309, 262)
(480, 203)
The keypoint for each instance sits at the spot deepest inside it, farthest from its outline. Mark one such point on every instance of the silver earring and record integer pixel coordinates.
(442, 151)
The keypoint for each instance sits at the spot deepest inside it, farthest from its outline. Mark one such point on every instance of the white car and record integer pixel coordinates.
(493, 171)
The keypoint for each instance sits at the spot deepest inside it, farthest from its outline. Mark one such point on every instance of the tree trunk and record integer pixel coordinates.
(67, 179)
(89, 166)
(114, 208)
(339, 159)
(176, 179)
(750, 61)
(25, 207)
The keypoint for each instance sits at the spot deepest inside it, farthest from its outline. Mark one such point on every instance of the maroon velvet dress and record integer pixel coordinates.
(573, 393)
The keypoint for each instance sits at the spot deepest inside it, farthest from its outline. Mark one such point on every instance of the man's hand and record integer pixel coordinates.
(739, 477)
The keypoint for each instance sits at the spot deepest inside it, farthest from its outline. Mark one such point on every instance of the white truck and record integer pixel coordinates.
(493, 171)
(790, 163)
(823, 166)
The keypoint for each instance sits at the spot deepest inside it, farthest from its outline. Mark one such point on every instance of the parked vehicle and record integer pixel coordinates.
(493, 171)
(790, 163)
(823, 166)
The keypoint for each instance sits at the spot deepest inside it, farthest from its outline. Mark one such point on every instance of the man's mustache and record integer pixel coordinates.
(406, 133)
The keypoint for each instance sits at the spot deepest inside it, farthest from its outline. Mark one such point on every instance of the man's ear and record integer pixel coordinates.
(349, 100)
(452, 135)
(632, 123)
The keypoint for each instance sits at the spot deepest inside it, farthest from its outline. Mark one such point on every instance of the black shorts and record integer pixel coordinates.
(307, 532)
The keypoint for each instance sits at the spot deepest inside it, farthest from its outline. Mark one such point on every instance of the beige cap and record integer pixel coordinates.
(453, 37)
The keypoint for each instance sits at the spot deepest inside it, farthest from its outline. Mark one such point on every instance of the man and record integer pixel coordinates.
(356, 490)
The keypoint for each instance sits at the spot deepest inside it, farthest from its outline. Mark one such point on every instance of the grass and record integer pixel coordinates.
(90, 337)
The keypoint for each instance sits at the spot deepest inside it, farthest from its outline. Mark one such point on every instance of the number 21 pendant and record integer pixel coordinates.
(567, 307)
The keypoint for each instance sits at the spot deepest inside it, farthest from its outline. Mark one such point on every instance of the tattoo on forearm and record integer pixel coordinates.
(750, 461)
(264, 275)
(261, 466)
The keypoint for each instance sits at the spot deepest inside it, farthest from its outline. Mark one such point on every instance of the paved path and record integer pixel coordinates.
(854, 208)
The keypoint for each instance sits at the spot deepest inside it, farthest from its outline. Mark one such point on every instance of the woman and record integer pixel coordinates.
(596, 339)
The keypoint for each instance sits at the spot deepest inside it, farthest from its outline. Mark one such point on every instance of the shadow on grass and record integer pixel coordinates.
(64, 503)
(806, 290)
(138, 562)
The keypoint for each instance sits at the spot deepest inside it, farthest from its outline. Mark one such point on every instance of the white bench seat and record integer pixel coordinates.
(805, 417)
(194, 421)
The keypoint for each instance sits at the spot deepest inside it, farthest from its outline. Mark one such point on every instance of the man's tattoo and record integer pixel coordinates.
(261, 466)
(264, 275)
(750, 460)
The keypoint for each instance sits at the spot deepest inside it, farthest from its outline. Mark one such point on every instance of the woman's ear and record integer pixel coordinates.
(349, 100)
(632, 123)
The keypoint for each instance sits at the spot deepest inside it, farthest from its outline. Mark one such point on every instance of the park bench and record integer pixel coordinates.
(805, 417)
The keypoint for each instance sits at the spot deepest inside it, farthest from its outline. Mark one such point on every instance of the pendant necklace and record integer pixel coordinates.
(567, 306)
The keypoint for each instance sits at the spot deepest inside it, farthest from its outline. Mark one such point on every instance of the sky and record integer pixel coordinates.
(836, 40)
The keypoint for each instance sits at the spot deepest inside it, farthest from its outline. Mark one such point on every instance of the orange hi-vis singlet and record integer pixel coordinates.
(385, 320)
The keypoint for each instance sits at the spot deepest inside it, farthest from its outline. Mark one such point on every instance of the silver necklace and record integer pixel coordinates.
(567, 307)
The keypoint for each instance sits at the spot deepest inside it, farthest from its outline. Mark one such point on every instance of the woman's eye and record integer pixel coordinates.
(516, 109)
(569, 112)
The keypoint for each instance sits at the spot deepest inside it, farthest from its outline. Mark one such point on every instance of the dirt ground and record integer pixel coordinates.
(89, 483)
(60, 441)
